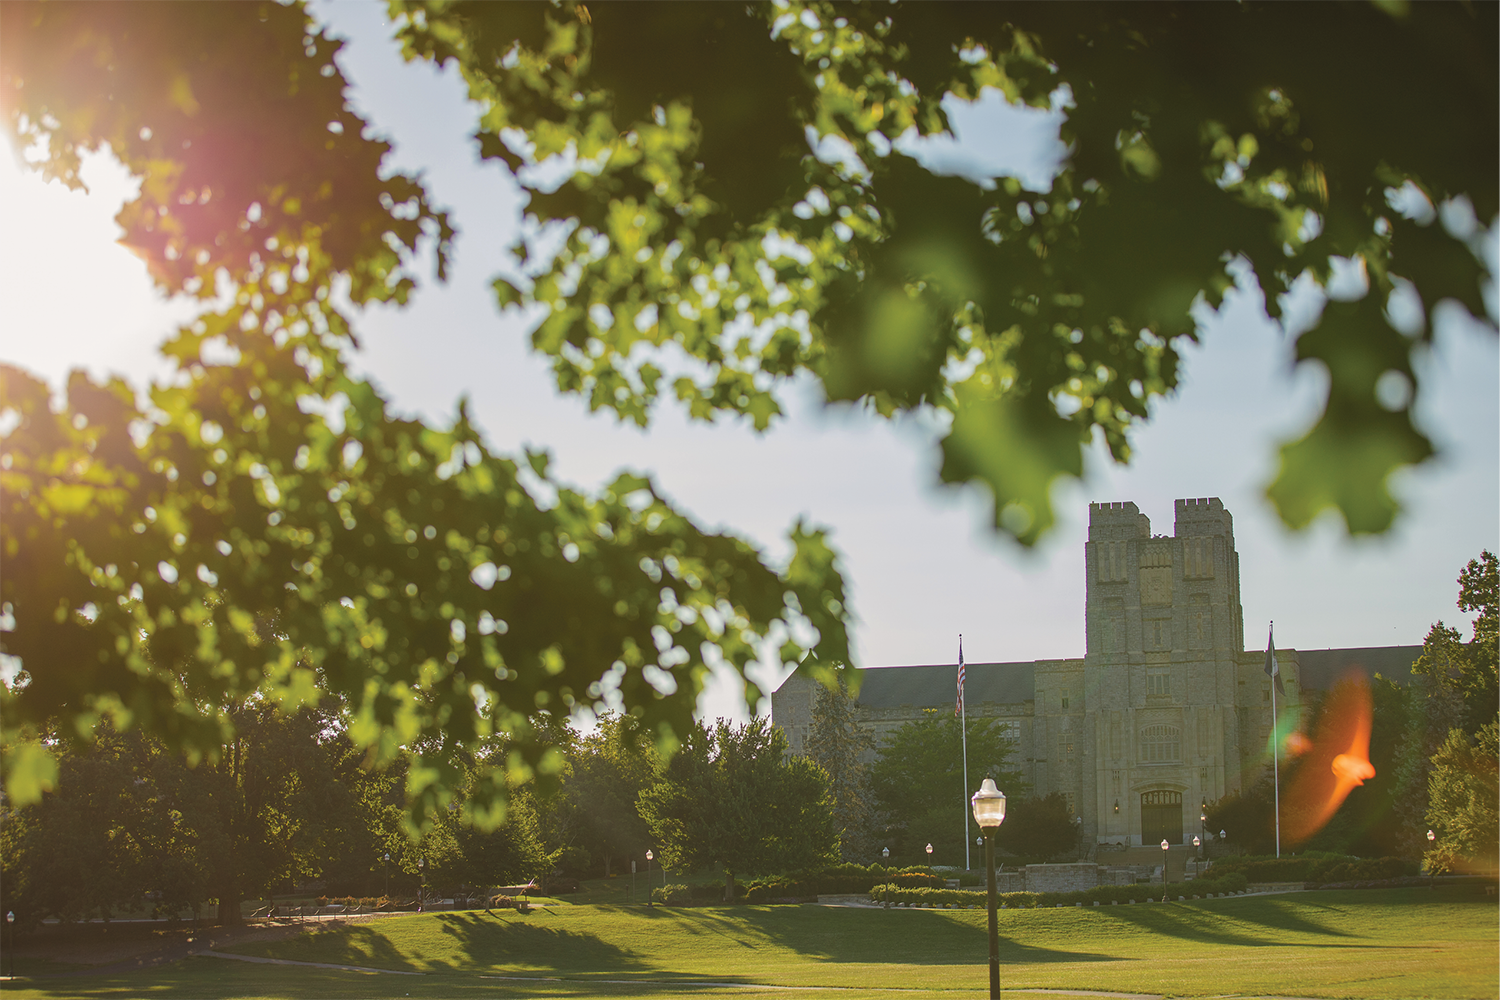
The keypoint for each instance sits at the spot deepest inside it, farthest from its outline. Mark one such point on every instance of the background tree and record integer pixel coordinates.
(611, 769)
(919, 782)
(1039, 827)
(1464, 802)
(730, 798)
(838, 744)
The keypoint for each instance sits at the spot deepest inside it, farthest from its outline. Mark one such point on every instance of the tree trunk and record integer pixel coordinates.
(608, 859)
(229, 908)
(728, 886)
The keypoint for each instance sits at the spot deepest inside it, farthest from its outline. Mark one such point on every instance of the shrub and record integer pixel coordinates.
(713, 892)
(673, 895)
(1104, 894)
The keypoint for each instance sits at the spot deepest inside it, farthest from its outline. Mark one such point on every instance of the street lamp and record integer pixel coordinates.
(387, 874)
(1431, 878)
(989, 813)
(421, 882)
(885, 854)
(1198, 849)
(929, 854)
(10, 932)
(649, 856)
(1078, 834)
(1164, 848)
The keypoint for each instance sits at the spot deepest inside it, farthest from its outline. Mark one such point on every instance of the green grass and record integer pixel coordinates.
(1358, 944)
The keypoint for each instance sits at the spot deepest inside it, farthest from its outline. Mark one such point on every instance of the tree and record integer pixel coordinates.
(265, 527)
(838, 744)
(1039, 827)
(1200, 139)
(1464, 801)
(920, 785)
(731, 798)
(595, 810)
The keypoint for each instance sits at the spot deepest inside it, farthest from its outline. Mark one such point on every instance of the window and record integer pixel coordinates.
(1065, 701)
(1160, 744)
(1157, 681)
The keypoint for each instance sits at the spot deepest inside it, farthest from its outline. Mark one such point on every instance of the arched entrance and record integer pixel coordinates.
(1161, 817)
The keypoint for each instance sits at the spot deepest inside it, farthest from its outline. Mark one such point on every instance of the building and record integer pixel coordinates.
(1165, 711)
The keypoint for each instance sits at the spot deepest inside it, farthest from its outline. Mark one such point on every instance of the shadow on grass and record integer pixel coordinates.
(875, 937)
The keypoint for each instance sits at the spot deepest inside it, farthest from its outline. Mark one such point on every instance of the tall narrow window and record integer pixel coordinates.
(1160, 744)
(1158, 680)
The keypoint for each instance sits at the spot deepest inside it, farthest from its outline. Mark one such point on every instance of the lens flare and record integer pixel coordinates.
(1336, 762)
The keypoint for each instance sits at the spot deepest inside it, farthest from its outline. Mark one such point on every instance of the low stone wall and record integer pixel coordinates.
(1072, 877)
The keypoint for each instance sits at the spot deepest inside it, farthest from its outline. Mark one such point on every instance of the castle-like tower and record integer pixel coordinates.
(1175, 709)
(1166, 711)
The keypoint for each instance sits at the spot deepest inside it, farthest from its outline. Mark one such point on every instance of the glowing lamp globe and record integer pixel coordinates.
(989, 805)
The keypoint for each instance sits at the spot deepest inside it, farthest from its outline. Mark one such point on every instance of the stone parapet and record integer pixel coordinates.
(1073, 877)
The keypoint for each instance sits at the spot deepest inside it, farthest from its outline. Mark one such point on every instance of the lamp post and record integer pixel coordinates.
(10, 932)
(929, 855)
(1164, 848)
(387, 874)
(421, 882)
(1198, 850)
(885, 855)
(1431, 879)
(1078, 834)
(649, 856)
(989, 813)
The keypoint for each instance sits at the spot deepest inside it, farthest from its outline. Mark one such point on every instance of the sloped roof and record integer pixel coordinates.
(935, 685)
(1322, 667)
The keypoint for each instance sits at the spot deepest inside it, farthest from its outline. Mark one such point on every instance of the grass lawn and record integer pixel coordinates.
(1392, 943)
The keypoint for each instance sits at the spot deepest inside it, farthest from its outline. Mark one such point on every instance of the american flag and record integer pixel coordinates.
(958, 706)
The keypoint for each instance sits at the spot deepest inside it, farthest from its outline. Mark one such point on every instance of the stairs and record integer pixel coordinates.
(1177, 859)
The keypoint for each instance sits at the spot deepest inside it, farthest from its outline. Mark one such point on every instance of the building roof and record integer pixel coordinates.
(932, 686)
(1322, 667)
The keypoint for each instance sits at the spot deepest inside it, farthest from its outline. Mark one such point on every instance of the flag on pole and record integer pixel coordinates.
(1273, 669)
(958, 705)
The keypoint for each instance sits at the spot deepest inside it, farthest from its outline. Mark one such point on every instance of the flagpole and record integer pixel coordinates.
(963, 708)
(1275, 734)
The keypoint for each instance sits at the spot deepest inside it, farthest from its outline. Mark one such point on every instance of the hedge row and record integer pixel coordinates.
(1316, 868)
(1104, 894)
(839, 880)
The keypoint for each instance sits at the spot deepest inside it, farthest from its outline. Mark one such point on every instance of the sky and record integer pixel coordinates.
(920, 560)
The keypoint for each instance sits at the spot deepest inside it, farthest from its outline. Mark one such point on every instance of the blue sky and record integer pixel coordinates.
(921, 561)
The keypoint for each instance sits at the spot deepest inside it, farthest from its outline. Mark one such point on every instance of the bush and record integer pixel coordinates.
(1315, 867)
(673, 895)
(713, 892)
(1104, 894)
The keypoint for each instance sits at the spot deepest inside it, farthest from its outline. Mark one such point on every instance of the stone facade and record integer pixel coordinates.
(1166, 711)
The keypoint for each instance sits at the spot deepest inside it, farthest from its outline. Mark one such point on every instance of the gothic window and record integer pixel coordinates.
(1157, 681)
(1157, 632)
(1160, 744)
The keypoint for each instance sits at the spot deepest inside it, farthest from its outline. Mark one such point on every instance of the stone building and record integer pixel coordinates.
(1166, 710)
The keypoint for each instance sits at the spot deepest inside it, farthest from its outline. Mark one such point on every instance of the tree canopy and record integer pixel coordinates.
(919, 781)
(732, 799)
(737, 204)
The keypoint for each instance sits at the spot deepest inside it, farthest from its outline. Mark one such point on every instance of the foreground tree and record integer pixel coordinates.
(1200, 139)
(730, 798)
(265, 527)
